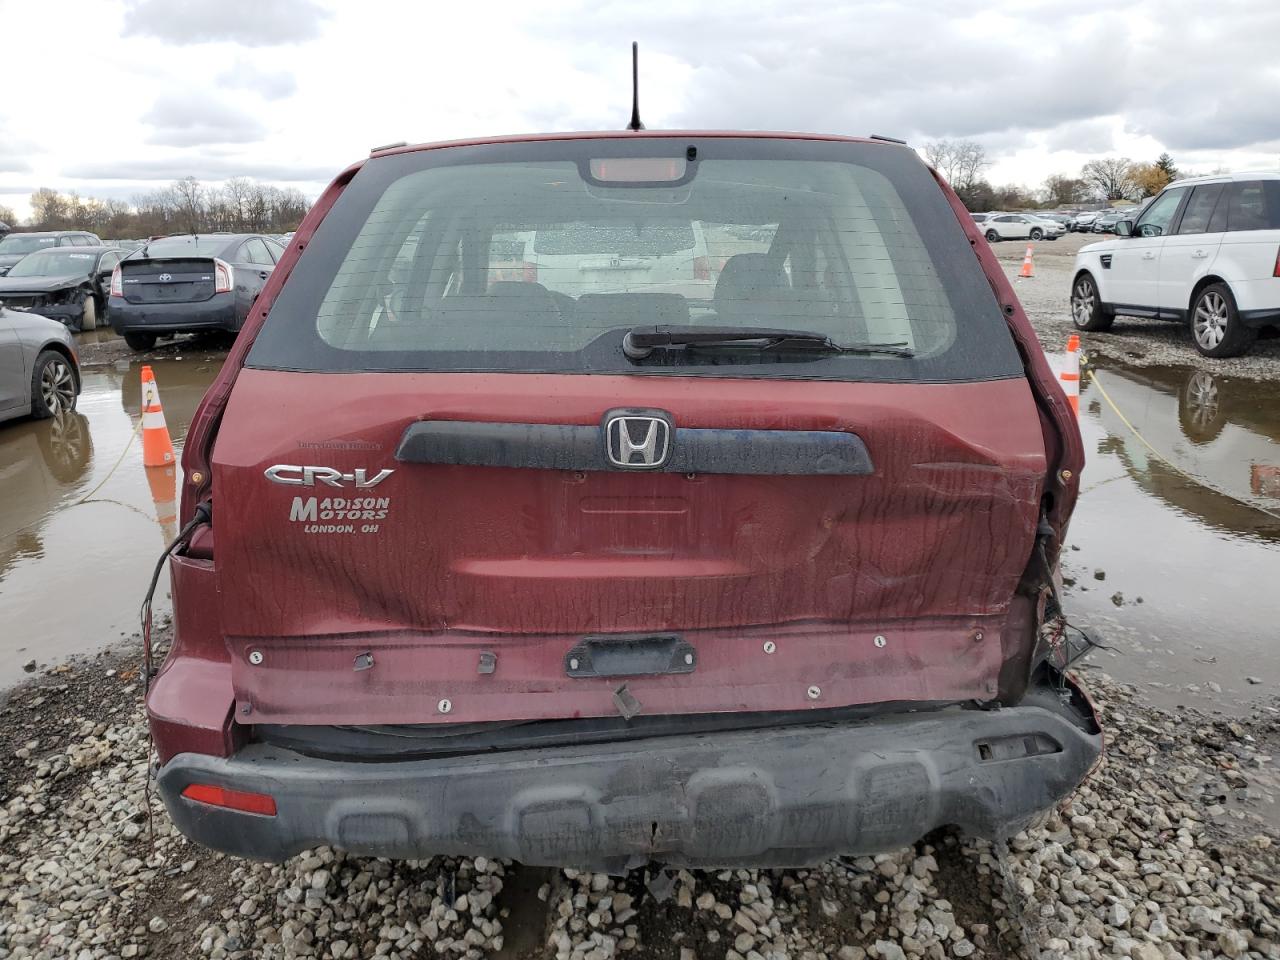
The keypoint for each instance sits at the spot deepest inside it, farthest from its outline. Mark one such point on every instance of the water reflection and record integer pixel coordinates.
(1205, 444)
(42, 462)
(1174, 549)
(73, 571)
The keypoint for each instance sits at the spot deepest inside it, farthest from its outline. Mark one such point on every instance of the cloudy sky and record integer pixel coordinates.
(115, 97)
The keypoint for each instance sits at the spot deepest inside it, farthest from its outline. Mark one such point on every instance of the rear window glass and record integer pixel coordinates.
(513, 258)
(185, 247)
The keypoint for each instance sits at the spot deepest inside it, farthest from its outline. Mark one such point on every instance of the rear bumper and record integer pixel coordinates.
(780, 796)
(216, 313)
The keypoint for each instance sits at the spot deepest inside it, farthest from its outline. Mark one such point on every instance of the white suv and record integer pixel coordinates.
(1205, 251)
(1019, 226)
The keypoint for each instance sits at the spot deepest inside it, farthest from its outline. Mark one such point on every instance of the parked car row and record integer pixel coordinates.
(1101, 221)
(1018, 226)
(1205, 252)
(154, 289)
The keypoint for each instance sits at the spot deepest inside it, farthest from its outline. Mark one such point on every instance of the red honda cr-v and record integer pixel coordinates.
(605, 498)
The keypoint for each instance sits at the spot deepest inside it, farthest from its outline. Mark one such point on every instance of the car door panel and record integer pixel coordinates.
(1190, 252)
(1135, 261)
(14, 382)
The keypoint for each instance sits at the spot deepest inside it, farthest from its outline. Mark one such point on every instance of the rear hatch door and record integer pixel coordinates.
(167, 280)
(416, 515)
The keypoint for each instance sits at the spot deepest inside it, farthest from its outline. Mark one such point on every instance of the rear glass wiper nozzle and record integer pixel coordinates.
(640, 342)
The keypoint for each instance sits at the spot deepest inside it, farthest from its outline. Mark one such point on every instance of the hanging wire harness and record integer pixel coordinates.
(203, 515)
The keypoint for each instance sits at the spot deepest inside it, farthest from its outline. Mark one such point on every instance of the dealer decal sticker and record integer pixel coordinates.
(339, 514)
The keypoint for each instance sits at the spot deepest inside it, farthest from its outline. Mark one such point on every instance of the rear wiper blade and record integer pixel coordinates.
(640, 342)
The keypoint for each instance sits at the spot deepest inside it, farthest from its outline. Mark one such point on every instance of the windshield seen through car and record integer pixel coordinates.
(20, 243)
(63, 262)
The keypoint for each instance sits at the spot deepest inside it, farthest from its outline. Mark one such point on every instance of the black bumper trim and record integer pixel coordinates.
(786, 796)
(1260, 318)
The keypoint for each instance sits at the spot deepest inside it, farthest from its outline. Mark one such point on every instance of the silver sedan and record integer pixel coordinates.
(39, 366)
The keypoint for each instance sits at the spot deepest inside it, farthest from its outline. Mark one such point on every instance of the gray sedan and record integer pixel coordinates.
(39, 369)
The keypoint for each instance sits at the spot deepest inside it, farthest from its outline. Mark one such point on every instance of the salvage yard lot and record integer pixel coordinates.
(1171, 849)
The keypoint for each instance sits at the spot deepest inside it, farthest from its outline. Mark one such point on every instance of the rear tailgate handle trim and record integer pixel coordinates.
(554, 446)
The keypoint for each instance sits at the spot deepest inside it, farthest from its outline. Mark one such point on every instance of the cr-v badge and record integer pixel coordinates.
(300, 476)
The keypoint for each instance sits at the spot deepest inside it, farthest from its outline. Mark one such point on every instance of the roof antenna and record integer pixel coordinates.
(635, 123)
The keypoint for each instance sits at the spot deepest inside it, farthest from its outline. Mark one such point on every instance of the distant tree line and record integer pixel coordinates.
(185, 206)
(1105, 180)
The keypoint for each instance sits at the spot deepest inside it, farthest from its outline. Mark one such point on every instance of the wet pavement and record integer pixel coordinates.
(80, 516)
(1180, 511)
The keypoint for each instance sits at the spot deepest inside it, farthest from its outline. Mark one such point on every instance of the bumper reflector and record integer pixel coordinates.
(259, 803)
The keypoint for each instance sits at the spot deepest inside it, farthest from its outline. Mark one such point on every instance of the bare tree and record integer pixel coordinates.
(187, 206)
(1062, 191)
(189, 197)
(1110, 178)
(960, 161)
(48, 209)
(7, 216)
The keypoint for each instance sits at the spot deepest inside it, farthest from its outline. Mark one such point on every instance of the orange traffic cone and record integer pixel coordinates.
(157, 448)
(1028, 266)
(163, 482)
(1069, 375)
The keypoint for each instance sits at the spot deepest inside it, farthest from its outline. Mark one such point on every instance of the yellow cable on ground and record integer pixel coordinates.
(88, 497)
(1093, 378)
(116, 466)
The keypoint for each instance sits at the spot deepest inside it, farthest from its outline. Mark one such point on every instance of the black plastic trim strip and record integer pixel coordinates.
(555, 446)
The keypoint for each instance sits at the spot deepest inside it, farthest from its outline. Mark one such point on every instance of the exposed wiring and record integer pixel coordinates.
(1199, 481)
(202, 515)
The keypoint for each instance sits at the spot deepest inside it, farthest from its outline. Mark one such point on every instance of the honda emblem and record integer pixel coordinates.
(637, 442)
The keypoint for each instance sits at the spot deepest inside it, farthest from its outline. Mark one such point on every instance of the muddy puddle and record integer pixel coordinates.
(81, 520)
(1180, 513)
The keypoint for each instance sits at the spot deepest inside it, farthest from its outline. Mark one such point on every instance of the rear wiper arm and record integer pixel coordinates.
(640, 342)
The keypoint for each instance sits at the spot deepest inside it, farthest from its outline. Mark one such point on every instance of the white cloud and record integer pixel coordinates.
(251, 23)
(196, 119)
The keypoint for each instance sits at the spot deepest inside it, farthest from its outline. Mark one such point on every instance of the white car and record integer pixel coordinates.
(1083, 221)
(1020, 226)
(653, 256)
(1206, 252)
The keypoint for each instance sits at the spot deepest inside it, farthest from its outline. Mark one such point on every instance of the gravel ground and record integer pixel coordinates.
(1141, 343)
(1158, 856)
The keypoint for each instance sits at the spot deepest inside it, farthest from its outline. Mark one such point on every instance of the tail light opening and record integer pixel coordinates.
(530, 272)
(1276, 271)
(259, 803)
(117, 283)
(224, 278)
(701, 268)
